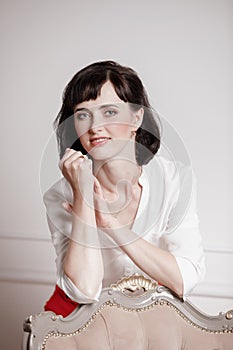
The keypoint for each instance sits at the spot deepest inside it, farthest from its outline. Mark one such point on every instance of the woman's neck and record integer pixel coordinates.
(113, 172)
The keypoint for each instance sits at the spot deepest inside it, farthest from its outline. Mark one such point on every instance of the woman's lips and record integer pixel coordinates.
(99, 141)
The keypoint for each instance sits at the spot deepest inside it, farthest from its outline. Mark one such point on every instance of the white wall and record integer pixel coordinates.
(183, 52)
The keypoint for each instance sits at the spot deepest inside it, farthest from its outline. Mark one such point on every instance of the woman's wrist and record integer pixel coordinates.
(122, 235)
(84, 228)
(83, 208)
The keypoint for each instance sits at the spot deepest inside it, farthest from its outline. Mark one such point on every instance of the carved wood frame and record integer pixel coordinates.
(136, 294)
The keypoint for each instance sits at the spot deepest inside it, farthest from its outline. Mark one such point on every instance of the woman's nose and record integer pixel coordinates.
(97, 124)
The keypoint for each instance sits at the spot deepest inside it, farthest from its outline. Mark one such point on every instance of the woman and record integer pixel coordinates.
(119, 209)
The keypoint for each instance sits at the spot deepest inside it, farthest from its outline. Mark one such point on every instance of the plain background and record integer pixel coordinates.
(182, 50)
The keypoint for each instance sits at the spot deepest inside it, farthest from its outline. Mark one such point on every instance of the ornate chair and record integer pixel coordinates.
(133, 314)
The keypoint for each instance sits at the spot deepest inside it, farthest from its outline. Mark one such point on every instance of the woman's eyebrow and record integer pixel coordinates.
(107, 105)
(81, 109)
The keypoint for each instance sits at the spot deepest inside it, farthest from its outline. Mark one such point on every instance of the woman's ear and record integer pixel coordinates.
(138, 115)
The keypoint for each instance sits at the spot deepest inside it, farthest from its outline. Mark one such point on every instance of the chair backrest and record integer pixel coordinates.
(135, 313)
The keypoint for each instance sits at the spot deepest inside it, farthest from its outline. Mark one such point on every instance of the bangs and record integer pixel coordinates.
(87, 88)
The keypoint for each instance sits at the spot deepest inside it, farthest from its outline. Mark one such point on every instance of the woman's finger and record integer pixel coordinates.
(98, 189)
(77, 156)
(67, 206)
(101, 205)
(66, 155)
(71, 156)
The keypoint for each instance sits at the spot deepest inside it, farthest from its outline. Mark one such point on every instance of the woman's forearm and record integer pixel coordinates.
(159, 264)
(83, 262)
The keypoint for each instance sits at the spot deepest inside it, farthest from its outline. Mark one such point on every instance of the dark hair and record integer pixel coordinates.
(86, 85)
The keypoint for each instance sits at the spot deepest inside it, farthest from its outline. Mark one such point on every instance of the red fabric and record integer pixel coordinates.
(60, 303)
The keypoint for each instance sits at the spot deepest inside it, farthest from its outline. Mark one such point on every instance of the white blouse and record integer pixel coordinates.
(166, 217)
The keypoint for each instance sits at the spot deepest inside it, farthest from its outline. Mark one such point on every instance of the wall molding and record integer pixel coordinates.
(47, 238)
(25, 237)
(33, 274)
(28, 276)
(214, 290)
(218, 250)
(205, 289)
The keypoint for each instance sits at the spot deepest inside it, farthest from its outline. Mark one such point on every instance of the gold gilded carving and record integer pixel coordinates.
(135, 285)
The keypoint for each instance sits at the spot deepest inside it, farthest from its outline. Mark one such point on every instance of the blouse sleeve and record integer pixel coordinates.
(182, 236)
(60, 225)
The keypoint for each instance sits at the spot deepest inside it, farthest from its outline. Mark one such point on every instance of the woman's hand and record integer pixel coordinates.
(77, 169)
(104, 218)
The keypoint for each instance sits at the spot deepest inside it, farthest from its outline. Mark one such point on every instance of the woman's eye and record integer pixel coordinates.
(110, 113)
(82, 116)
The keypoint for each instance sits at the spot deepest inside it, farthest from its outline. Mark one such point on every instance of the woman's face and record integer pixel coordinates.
(106, 125)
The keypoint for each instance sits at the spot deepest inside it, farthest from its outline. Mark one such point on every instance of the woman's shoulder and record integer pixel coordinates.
(60, 190)
(170, 168)
(59, 220)
(176, 177)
